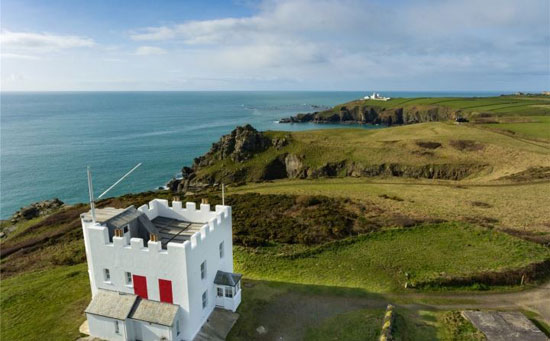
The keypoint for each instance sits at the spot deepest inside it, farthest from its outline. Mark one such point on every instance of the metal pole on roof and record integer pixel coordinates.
(223, 194)
(119, 180)
(91, 191)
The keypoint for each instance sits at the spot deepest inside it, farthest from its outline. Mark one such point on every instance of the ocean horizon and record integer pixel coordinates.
(49, 138)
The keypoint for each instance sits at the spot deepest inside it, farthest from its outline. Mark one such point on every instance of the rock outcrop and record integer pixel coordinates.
(238, 146)
(369, 114)
(229, 162)
(36, 209)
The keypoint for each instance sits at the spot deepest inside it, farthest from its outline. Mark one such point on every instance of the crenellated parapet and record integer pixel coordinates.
(214, 221)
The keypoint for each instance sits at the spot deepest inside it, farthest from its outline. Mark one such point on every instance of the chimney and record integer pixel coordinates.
(175, 198)
(152, 237)
(204, 201)
(119, 233)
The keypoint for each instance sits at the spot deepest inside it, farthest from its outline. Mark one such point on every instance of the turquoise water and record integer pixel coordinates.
(48, 139)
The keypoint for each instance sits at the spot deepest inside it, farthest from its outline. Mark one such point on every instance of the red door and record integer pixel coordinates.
(140, 286)
(165, 288)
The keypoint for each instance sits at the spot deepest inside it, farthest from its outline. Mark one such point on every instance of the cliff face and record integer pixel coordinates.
(357, 113)
(238, 146)
(247, 155)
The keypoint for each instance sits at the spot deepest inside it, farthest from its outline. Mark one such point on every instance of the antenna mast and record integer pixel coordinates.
(91, 189)
(223, 194)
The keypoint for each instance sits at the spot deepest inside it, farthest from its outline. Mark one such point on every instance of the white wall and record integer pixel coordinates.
(180, 263)
(149, 331)
(104, 327)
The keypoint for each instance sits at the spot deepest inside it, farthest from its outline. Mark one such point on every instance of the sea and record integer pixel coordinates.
(47, 139)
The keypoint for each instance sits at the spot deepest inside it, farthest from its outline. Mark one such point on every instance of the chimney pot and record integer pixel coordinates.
(204, 201)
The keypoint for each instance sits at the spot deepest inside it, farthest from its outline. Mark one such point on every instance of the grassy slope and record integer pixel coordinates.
(504, 154)
(506, 205)
(378, 262)
(357, 325)
(498, 106)
(44, 305)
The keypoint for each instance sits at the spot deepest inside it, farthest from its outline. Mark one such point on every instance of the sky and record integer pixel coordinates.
(414, 45)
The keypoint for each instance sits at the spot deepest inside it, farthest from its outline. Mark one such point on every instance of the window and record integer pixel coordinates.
(228, 292)
(221, 250)
(106, 275)
(126, 228)
(128, 276)
(220, 292)
(204, 300)
(238, 286)
(117, 328)
(178, 327)
(203, 270)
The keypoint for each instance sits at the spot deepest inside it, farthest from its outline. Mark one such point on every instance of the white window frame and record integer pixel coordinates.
(128, 279)
(218, 291)
(229, 292)
(106, 275)
(203, 270)
(222, 250)
(205, 299)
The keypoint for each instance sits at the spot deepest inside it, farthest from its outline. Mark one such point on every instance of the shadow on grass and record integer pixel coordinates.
(287, 311)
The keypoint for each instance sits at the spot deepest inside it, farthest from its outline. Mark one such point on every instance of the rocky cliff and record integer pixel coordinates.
(358, 112)
(247, 155)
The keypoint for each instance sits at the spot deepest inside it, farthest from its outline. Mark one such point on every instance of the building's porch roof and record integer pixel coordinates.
(227, 278)
(154, 312)
(121, 306)
(111, 304)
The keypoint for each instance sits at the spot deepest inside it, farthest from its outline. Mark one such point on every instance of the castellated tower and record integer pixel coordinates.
(158, 272)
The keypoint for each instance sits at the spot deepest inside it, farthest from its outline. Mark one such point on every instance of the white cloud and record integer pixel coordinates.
(149, 51)
(41, 41)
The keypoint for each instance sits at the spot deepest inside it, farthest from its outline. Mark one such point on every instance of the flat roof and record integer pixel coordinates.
(104, 214)
(175, 231)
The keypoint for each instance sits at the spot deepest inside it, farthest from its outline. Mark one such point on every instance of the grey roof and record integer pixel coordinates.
(175, 231)
(154, 312)
(111, 304)
(124, 218)
(227, 278)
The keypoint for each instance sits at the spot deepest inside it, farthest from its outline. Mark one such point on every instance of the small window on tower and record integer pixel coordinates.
(203, 270)
(220, 292)
(221, 250)
(117, 327)
(106, 275)
(128, 278)
(204, 300)
(126, 228)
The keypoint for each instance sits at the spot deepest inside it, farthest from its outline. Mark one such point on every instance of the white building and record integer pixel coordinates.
(376, 96)
(158, 272)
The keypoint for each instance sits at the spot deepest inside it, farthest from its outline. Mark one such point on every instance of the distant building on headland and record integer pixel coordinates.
(376, 96)
(546, 93)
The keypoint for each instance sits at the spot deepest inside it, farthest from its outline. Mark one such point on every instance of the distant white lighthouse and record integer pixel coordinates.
(376, 96)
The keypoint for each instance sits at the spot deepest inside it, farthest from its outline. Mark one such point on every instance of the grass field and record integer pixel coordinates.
(498, 106)
(460, 147)
(518, 207)
(357, 325)
(44, 305)
(535, 127)
(385, 261)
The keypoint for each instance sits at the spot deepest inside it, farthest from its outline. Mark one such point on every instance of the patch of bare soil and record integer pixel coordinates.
(466, 145)
(481, 204)
(428, 144)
